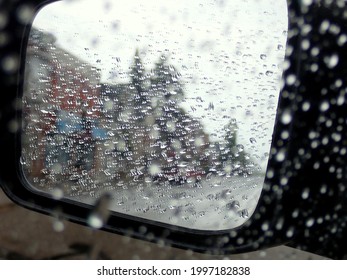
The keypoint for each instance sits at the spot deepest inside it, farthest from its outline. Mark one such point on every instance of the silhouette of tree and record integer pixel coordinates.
(234, 152)
(138, 82)
(158, 132)
(165, 80)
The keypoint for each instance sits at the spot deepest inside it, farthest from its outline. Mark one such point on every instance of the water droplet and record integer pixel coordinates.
(202, 213)
(233, 205)
(291, 79)
(23, 160)
(240, 147)
(290, 232)
(305, 193)
(58, 193)
(310, 222)
(182, 164)
(252, 140)
(9, 64)
(58, 226)
(25, 13)
(285, 135)
(280, 156)
(154, 169)
(243, 214)
(286, 117)
(307, 2)
(331, 61)
(263, 56)
(324, 106)
(265, 226)
(306, 106)
(270, 174)
(95, 221)
(305, 44)
(342, 40)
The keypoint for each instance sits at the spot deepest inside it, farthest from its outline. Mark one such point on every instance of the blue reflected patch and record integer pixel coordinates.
(99, 133)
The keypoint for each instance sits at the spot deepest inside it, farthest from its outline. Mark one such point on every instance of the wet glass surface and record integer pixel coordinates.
(158, 111)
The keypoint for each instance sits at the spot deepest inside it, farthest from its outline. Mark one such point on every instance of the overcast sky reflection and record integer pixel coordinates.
(229, 53)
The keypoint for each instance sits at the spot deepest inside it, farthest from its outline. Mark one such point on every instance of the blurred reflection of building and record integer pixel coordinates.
(61, 108)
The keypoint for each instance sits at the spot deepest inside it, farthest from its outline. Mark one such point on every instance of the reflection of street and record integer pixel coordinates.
(215, 203)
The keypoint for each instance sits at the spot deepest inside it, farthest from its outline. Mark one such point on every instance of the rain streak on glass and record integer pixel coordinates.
(168, 108)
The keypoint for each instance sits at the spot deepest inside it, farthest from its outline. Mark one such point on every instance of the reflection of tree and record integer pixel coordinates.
(165, 89)
(233, 153)
(157, 134)
(182, 138)
(138, 81)
(165, 81)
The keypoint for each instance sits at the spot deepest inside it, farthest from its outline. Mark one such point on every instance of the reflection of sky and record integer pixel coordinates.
(228, 52)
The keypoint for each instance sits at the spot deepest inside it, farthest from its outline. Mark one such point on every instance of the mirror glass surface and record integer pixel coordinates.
(163, 110)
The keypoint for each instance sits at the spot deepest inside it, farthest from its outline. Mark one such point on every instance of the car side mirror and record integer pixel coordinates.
(177, 132)
(160, 125)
